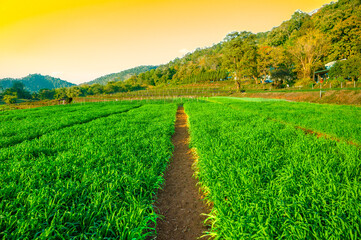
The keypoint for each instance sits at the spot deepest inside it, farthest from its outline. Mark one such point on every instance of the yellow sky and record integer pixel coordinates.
(79, 40)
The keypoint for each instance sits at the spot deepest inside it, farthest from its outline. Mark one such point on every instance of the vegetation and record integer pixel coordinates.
(51, 119)
(349, 69)
(35, 82)
(10, 99)
(95, 180)
(339, 122)
(289, 55)
(92, 170)
(267, 180)
(121, 76)
(333, 33)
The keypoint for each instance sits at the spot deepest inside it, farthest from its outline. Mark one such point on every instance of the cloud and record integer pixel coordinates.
(184, 51)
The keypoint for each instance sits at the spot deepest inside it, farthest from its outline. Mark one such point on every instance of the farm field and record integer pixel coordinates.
(92, 171)
(338, 121)
(268, 180)
(17, 126)
(91, 180)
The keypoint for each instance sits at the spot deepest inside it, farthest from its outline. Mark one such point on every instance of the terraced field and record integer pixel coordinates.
(268, 169)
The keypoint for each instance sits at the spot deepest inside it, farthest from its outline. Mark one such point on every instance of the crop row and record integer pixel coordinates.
(342, 122)
(47, 110)
(19, 126)
(268, 180)
(89, 181)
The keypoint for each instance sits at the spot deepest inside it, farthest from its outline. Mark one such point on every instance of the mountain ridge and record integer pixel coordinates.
(35, 82)
(122, 75)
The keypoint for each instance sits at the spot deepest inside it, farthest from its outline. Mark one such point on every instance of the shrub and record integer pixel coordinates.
(10, 99)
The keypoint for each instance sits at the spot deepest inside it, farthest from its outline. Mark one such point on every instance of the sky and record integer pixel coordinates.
(80, 40)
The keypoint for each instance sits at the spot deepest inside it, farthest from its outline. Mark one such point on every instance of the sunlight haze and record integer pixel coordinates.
(78, 41)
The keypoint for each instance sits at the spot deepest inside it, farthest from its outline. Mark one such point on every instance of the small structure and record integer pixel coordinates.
(323, 74)
(268, 79)
(65, 100)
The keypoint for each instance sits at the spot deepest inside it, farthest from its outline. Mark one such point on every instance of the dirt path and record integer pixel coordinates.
(179, 202)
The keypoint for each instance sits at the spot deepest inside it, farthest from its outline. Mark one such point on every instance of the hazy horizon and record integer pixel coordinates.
(81, 41)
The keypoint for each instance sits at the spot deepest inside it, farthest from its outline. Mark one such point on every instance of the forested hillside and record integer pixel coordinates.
(35, 82)
(289, 53)
(121, 76)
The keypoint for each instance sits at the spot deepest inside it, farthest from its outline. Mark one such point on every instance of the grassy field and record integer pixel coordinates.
(268, 180)
(17, 126)
(337, 121)
(92, 171)
(91, 180)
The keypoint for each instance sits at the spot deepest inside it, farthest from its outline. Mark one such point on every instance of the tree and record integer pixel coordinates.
(60, 93)
(96, 89)
(347, 69)
(308, 52)
(352, 68)
(10, 99)
(346, 40)
(19, 89)
(73, 92)
(280, 35)
(46, 94)
(269, 58)
(336, 70)
(240, 57)
(230, 36)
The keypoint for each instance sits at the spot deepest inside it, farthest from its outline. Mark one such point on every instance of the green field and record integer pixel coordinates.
(91, 180)
(268, 180)
(92, 171)
(338, 121)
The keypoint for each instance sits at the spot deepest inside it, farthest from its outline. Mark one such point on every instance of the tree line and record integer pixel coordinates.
(289, 54)
(18, 91)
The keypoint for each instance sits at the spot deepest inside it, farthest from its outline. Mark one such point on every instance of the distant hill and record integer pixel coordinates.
(122, 76)
(35, 82)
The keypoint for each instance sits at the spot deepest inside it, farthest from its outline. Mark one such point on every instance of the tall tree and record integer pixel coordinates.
(269, 58)
(308, 52)
(240, 56)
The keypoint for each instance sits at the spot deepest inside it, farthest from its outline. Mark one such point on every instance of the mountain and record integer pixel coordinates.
(121, 76)
(35, 82)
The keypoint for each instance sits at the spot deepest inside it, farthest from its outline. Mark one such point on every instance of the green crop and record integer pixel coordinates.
(340, 122)
(92, 171)
(18, 126)
(268, 180)
(95, 180)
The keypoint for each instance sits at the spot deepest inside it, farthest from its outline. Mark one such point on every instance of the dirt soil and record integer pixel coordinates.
(352, 97)
(180, 201)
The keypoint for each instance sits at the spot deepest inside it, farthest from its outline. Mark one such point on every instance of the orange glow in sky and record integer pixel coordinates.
(79, 40)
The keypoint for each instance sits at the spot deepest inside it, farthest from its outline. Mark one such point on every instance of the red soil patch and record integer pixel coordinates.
(317, 134)
(323, 135)
(352, 97)
(180, 201)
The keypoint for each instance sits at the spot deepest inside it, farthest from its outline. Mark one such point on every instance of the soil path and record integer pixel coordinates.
(179, 201)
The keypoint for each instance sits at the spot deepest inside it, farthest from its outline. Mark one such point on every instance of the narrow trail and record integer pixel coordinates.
(179, 201)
